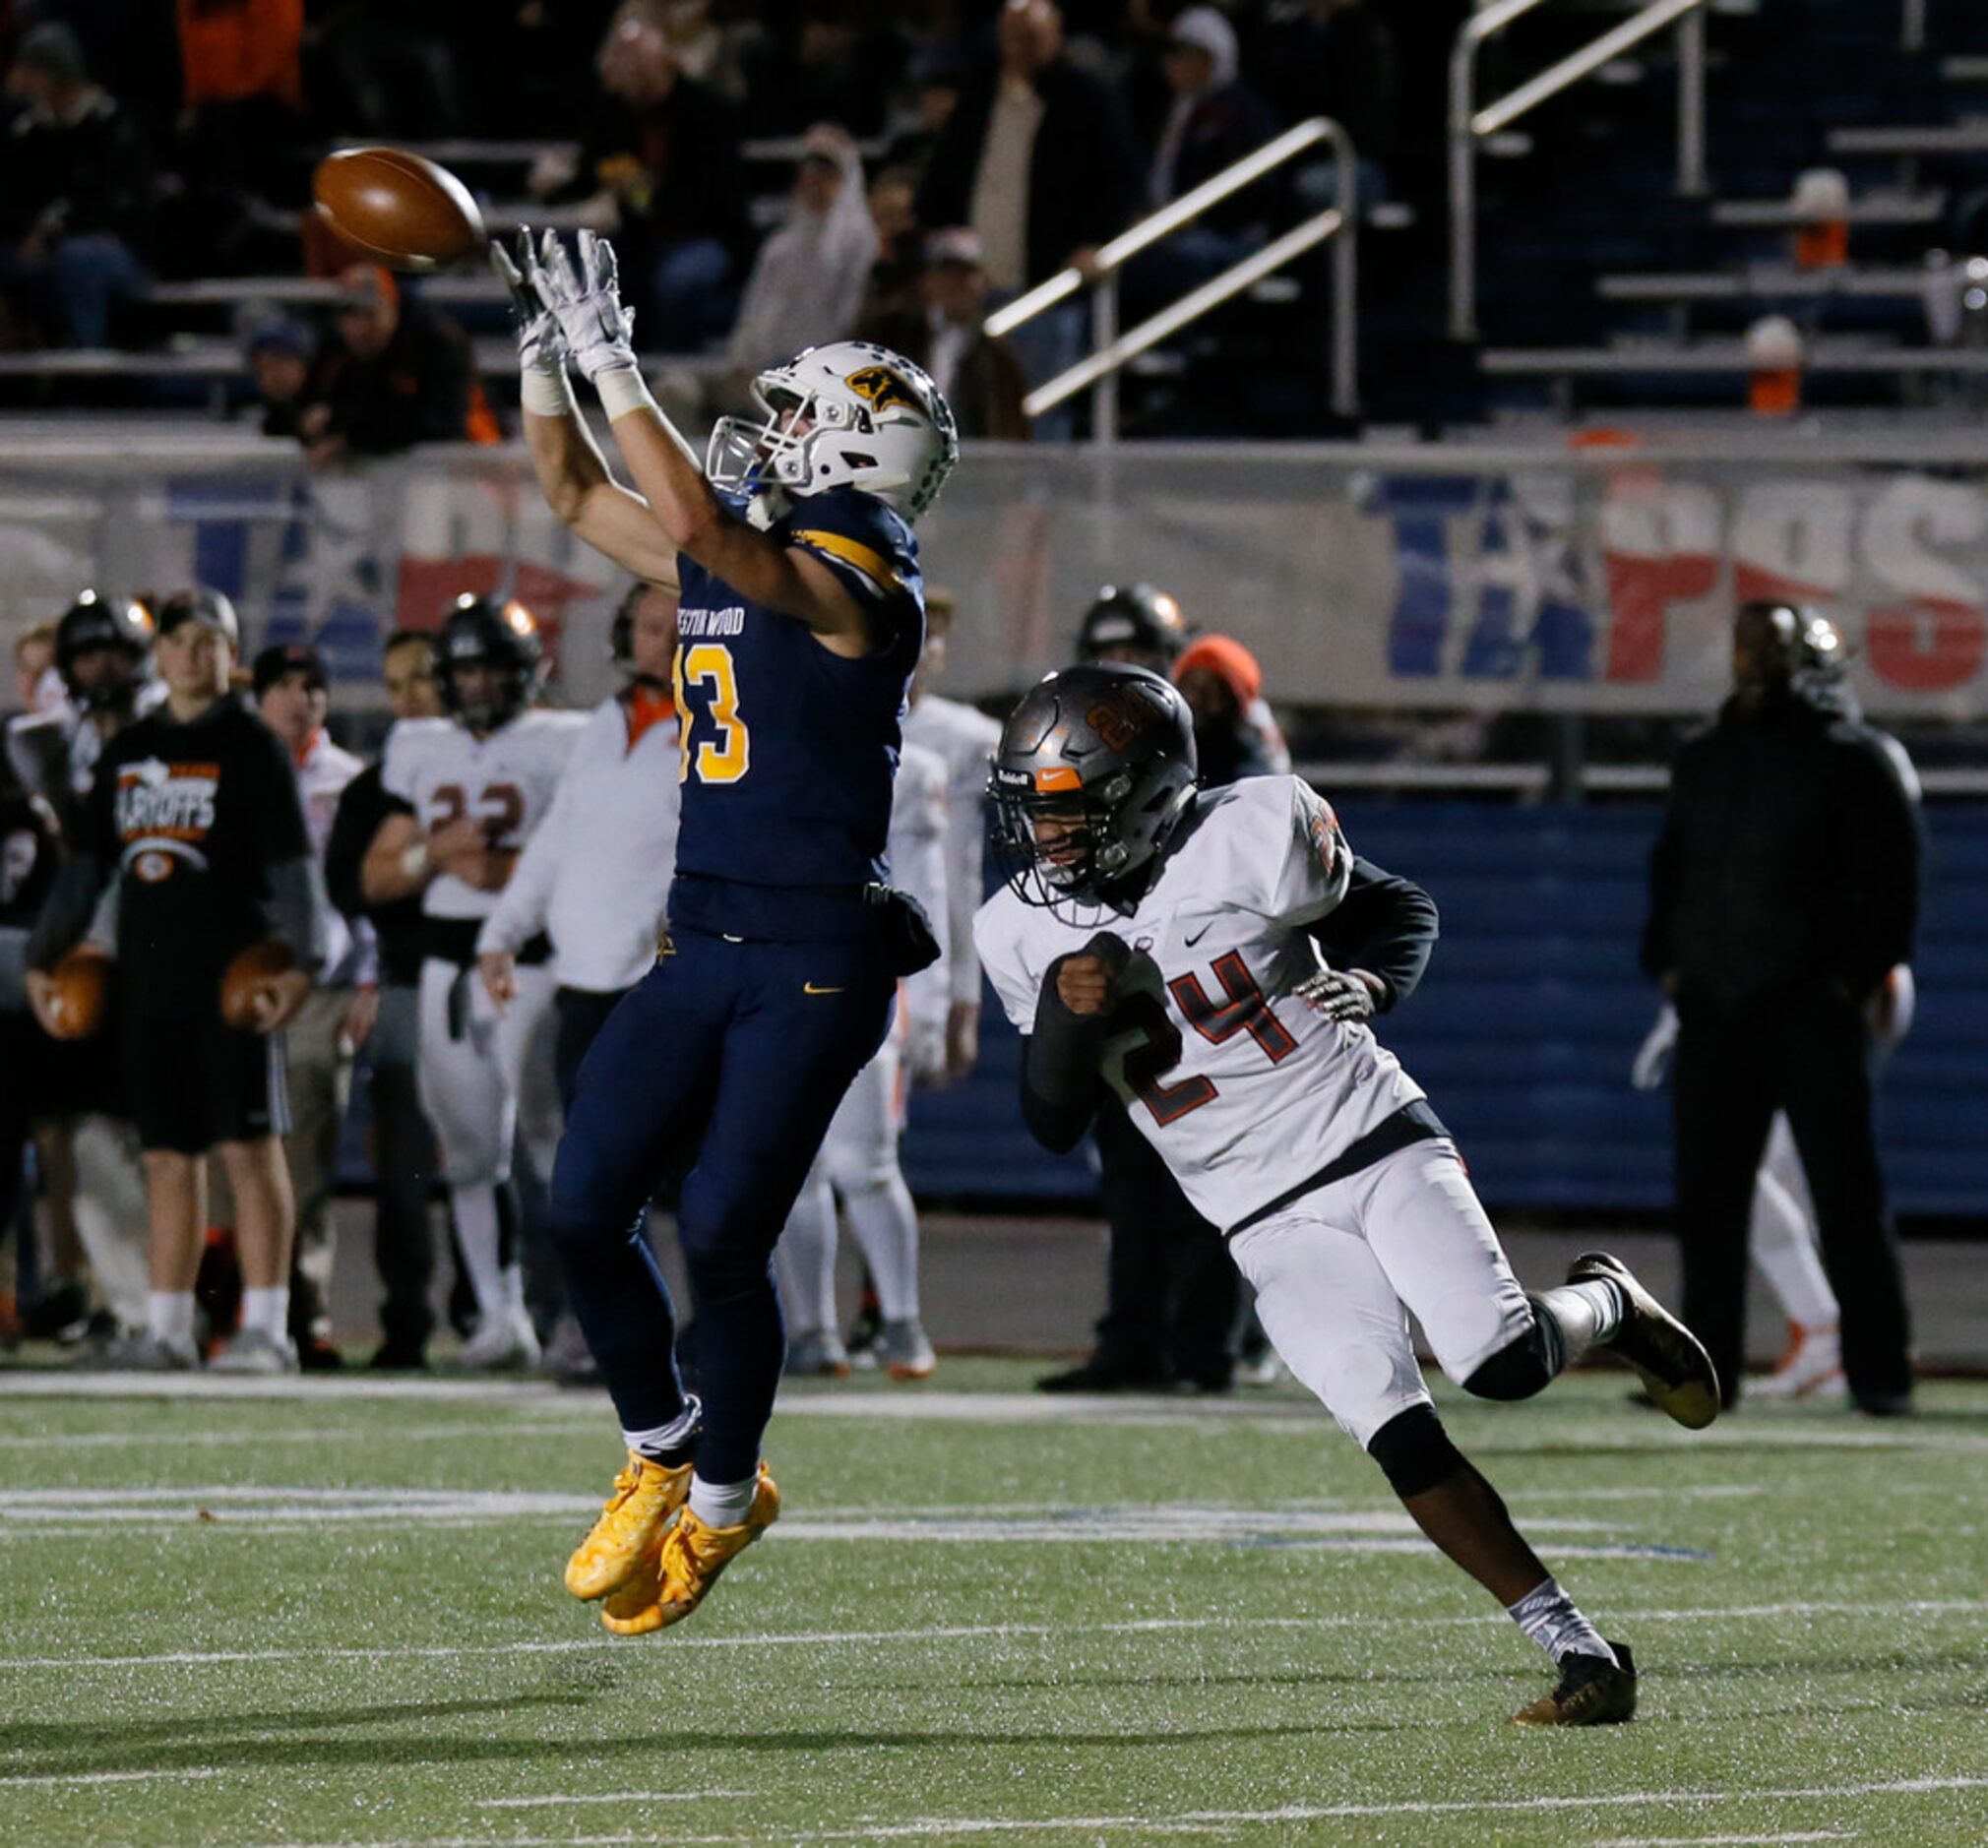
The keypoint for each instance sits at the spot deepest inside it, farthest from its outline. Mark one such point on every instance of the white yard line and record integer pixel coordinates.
(1789, 1431)
(1722, 1841)
(619, 1796)
(98, 1777)
(956, 1633)
(1199, 1821)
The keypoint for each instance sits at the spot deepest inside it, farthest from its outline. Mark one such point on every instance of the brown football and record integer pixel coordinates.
(82, 994)
(396, 207)
(247, 975)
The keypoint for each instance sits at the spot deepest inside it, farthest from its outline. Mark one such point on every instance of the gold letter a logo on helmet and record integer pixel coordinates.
(883, 388)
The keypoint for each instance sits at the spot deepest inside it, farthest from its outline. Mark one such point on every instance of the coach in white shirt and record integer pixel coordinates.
(596, 874)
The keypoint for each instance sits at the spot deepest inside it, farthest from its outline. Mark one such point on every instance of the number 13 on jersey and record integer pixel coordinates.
(725, 758)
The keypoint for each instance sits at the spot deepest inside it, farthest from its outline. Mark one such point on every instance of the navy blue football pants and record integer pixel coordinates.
(723, 1067)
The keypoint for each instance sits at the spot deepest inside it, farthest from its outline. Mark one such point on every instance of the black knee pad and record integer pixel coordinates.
(1523, 1368)
(1414, 1451)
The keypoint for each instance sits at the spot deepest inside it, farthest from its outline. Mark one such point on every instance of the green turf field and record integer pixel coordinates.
(335, 1618)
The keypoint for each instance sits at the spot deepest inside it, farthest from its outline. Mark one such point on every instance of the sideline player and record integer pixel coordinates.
(476, 785)
(1154, 939)
(196, 823)
(859, 1166)
(801, 620)
(595, 877)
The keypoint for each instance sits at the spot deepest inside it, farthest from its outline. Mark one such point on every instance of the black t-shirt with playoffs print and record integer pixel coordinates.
(190, 818)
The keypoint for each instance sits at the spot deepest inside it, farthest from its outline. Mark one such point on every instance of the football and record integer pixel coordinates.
(406, 212)
(241, 987)
(81, 993)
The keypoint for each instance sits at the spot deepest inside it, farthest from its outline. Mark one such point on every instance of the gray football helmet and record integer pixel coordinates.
(1095, 768)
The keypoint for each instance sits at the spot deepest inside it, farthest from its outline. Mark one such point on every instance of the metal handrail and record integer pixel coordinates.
(1468, 124)
(1100, 371)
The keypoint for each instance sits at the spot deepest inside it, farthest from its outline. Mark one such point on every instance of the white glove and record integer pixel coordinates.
(597, 329)
(1652, 1057)
(541, 347)
(1339, 995)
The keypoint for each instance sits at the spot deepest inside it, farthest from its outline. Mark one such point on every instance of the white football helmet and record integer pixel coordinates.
(847, 415)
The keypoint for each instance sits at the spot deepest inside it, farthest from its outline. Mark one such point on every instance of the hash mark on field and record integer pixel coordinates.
(972, 1632)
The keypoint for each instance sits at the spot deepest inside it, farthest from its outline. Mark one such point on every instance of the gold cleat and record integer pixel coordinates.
(1677, 1373)
(684, 1565)
(646, 1500)
(1591, 1693)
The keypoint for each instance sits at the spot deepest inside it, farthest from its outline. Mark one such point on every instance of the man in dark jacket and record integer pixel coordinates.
(1783, 888)
(1039, 161)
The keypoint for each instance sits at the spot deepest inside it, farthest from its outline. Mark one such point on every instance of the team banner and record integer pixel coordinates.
(1434, 579)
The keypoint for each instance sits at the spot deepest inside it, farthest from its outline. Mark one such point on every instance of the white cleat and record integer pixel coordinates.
(1812, 1367)
(251, 1351)
(504, 1342)
(902, 1353)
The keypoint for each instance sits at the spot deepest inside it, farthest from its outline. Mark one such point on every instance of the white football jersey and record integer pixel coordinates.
(918, 865)
(506, 781)
(1264, 1092)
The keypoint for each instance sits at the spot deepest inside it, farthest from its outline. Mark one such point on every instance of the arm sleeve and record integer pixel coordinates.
(1658, 953)
(297, 908)
(1386, 925)
(1315, 863)
(1880, 907)
(1060, 1076)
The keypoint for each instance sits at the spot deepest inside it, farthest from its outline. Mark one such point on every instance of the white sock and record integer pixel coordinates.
(886, 1225)
(168, 1317)
(477, 1234)
(804, 1261)
(659, 1440)
(1549, 1616)
(268, 1311)
(722, 1503)
(1587, 1315)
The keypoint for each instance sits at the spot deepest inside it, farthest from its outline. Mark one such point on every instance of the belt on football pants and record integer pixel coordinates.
(1411, 1124)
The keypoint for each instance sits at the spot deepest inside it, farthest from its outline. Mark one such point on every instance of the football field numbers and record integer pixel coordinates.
(725, 758)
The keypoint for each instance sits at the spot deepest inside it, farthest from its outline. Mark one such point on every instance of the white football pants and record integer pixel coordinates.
(857, 1167)
(1337, 1272)
(484, 1088)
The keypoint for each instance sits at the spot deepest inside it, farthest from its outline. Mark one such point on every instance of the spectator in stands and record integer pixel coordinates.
(294, 696)
(1213, 120)
(404, 1163)
(664, 158)
(37, 684)
(943, 332)
(395, 374)
(1038, 159)
(280, 349)
(808, 282)
(1784, 890)
(1235, 733)
(75, 195)
(387, 67)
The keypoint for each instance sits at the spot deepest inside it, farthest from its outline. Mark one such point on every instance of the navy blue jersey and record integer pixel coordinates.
(789, 751)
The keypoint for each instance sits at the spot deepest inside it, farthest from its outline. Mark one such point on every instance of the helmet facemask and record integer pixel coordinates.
(1090, 848)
